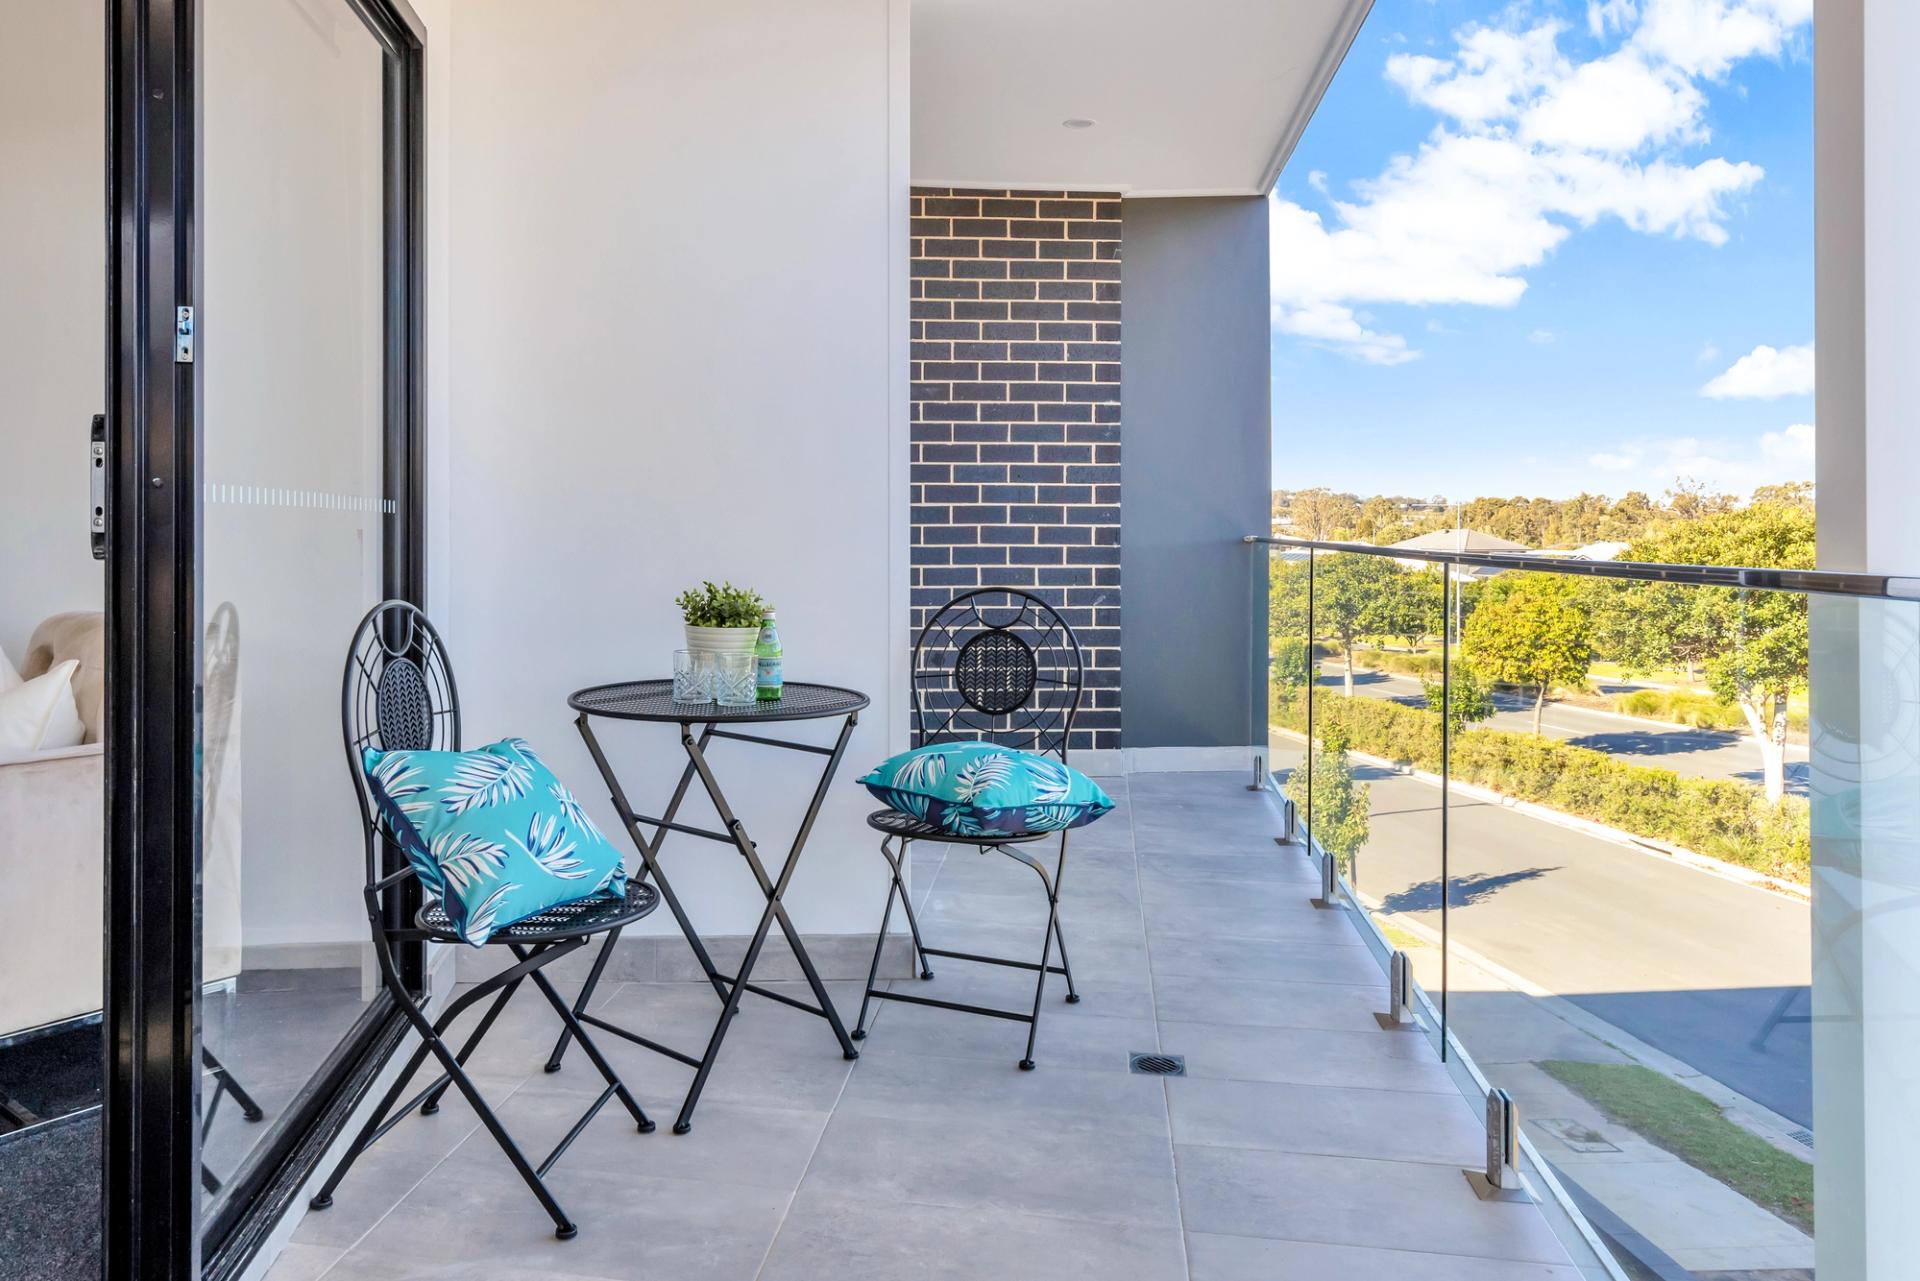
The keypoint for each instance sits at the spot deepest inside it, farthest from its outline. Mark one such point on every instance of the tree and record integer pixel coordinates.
(1320, 514)
(1414, 605)
(1466, 698)
(1351, 591)
(1336, 809)
(1530, 632)
(1752, 645)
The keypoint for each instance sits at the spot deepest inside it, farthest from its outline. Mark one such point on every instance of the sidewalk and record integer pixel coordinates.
(1702, 1224)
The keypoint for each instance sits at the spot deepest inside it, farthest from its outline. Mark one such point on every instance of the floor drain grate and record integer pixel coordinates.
(1803, 1137)
(1158, 1064)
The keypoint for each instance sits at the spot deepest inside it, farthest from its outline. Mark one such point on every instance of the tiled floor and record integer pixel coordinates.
(1304, 1143)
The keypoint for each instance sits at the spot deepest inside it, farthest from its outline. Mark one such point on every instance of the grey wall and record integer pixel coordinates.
(1198, 444)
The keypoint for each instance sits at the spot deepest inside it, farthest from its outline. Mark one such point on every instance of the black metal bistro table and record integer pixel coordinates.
(700, 724)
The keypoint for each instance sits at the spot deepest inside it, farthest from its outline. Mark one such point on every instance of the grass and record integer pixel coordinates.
(1693, 1128)
(1401, 940)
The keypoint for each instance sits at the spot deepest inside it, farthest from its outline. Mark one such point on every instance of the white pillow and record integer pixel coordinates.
(9, 675)
(39, 715)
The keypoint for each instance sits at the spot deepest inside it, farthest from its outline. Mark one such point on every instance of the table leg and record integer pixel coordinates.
(776, 890)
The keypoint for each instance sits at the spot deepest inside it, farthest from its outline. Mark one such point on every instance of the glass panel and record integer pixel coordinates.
(1629, 928)
(52, 362)
(1284, 642)
(295, 527)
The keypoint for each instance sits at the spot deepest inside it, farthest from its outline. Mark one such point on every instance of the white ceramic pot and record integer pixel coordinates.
(722, 640)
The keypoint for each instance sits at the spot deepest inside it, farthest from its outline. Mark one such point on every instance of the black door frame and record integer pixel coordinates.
(151, 1229)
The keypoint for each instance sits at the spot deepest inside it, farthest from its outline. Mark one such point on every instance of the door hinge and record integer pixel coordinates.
(183, 335)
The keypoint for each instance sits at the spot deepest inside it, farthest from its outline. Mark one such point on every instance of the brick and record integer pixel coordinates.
(949, 453)
(1008, 412)
(1079, 231)
(1007, 330)
(1093, 351)
(995, 228)
(1007, 534)
(1036, 310)
(979, 515)
(1006, 453)
(979, 555)
(948, 413)
(951, 289)
(1037, 270)
(949, 371)
(1035, 515)
(979, 351)
(1066, 372)
(1062, 331)
(1093, 271)
(987, 310)
(950, 493)
(932, 351)
(950, 248)
(1007, 371)
(1004, 249)
(926, 309)
(1064, 249)
(1036, 351)
(1016, 289)
(1004, 207)
(952, 329)
(1065, 454)
(1062, 290)
(981, 433)
(1007, 493)
(1093, 311)
(930, 226)
(980, 391)
(1036, 230)
(980, 269)
(951, 206)
(1035, 391)
(1066, 209)
(931, 391)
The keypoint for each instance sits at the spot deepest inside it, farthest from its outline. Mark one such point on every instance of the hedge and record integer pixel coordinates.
(1722, 818)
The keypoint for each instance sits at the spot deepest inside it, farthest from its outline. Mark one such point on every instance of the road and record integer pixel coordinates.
(1692, 753)
(1690, 963)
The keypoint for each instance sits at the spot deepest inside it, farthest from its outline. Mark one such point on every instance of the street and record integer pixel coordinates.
(1692, 753)
(1690, 963)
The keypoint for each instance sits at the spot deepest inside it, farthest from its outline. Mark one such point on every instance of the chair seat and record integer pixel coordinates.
(894, 823)
(556, 924)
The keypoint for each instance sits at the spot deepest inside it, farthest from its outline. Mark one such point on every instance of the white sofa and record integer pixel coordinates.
(52, 829)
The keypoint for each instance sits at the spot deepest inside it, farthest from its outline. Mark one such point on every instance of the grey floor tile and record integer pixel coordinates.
(910, 1087)
(837, 1238)
(392, 1167)
(981, 1163)
(1226, 1258)
(636, 1225)
(1211, 956)
(1336, 1007)
(1308, 1056)
(298, 1262)
(1384, 1125)
(764, 1147)
(1343, 1201)
(1083, 1041)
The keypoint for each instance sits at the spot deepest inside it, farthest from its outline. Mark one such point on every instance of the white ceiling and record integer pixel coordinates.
(1190, 97)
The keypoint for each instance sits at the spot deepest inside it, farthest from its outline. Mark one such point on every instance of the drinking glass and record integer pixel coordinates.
(734, 679)
(691, 677)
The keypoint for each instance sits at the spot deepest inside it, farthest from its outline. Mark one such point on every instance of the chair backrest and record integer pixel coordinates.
(998, 665)
(397, 695)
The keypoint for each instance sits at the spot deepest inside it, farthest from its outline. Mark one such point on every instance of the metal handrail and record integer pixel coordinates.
(1824, 582)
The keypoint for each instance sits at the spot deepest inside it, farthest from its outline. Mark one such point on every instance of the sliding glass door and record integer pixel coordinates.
(264, 489)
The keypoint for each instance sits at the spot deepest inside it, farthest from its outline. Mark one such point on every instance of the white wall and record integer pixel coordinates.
(1866, 656)
(52, 306)
(677, 353)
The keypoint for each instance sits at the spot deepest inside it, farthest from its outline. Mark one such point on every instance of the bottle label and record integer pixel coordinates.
(769, 676)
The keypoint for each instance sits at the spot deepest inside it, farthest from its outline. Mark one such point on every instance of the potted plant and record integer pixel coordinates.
(721, 620)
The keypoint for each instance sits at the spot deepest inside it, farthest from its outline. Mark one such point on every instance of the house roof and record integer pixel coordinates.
(1199, 97)
(1460, 540)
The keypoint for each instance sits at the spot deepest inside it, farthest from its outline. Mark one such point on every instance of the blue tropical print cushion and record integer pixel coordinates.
(492, 833)
(981, 789)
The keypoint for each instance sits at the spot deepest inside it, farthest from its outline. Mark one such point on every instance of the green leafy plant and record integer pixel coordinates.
(1470, 700)
(721, 606)
(1337, 810)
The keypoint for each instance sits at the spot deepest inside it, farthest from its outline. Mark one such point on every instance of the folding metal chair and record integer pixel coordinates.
(398, 694)
(997, 665)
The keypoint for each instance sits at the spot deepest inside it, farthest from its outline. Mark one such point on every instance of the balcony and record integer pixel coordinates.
(1303, 1140)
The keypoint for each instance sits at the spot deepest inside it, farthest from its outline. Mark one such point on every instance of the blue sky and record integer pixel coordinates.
(1551, 246)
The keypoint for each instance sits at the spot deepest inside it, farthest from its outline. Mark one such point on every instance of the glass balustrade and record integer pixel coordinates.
(1647, 843)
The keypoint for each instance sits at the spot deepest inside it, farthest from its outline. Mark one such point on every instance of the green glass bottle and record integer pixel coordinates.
(768, 682)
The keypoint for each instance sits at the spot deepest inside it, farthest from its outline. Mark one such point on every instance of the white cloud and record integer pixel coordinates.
(1709, 352)
(1735, 467)
(1765, 373)
(1532, 147)
(1706, 37)
(1542, 337)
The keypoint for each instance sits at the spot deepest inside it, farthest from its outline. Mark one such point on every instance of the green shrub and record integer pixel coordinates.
(1404, 664)
(1722, 818)
(1690, 707)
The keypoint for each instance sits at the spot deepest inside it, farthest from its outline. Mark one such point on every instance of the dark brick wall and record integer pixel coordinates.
(1016, 413)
